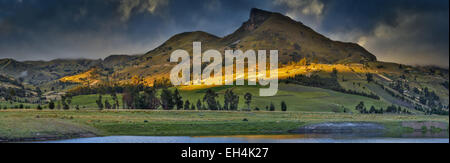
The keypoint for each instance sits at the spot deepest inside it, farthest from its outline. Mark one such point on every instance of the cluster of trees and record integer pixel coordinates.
(429, 101)
(390, 109)
(107, 87)
(392, 93)
(315, 81)
(66, 100)
(441, 110)
(98, 89)
(134, 98)
(19, 106)
(11, 94)
(231, 100)
(271, 107)
(327, 83)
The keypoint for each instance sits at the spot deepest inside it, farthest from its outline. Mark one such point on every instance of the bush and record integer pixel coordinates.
(51, 105)
(283, 106)
(272, 107)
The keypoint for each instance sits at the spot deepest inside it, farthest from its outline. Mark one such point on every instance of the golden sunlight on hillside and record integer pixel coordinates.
(296, 69)
(90, 77)
(93, 77)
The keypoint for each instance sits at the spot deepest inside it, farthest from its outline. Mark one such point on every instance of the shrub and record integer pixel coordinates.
(283, 106)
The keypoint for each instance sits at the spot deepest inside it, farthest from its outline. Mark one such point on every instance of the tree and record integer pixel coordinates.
(38, 91)
(187, 104)
(272, 107)
(192, 106)
(372, 110)
(204, 107)
(51, 105)
(69, 99)
(143, 101)
(107, 104)
(99, 102)
(39, 107)
(64, 102)
(115, 100)
(369, 77)
(248, 99)
(178, 99)
(334, 73)
(130, 96)
(210, 99)
(152, 102)
(219, 107)
(360, 106)
(199, 105)
(283, 106)
(231, 100)
(226, 103)
(167, 99)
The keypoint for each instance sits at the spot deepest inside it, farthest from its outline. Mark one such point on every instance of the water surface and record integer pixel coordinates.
(248, 139)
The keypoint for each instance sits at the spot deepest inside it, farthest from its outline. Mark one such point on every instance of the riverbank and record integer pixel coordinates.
(30, 125)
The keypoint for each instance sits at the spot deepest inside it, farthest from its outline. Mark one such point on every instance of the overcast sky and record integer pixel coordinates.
(404, 31)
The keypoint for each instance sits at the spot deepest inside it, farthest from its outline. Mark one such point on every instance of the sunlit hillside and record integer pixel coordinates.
(90, 77)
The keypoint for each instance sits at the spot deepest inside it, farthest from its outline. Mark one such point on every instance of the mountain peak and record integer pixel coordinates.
(256, 13)
(257, 17)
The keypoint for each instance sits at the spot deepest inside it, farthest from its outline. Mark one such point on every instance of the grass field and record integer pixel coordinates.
(17, 125)
(89, 101)
(297, 98)
(8, 104)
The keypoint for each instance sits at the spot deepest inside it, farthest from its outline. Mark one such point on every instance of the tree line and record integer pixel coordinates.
(390, 109)
(135, 98)
(327, 83)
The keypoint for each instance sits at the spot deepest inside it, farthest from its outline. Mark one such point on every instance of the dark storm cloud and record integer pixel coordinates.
(399, 30)
(404, 31)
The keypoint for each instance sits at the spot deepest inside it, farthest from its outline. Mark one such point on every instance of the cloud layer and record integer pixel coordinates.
(128, 7)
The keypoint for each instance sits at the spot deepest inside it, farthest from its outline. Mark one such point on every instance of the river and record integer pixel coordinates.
(297, 138)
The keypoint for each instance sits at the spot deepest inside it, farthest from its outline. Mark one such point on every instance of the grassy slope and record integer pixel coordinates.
(298, 98)
(187, 123)
(89, 101)
(13, 104)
